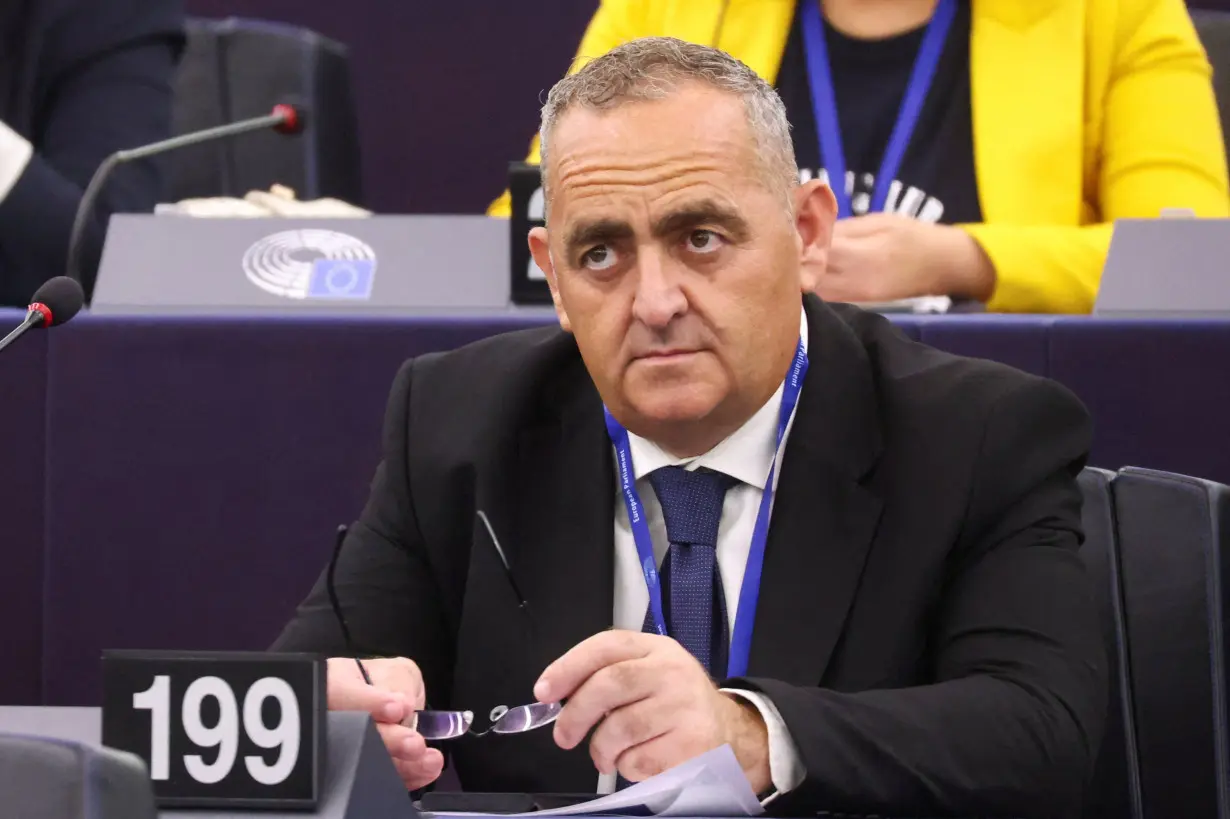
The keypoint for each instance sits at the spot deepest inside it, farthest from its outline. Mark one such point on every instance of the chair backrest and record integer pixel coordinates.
(233, 69)
(56, 779)
(1172, 543)
(1114, 792)
(1214, 30)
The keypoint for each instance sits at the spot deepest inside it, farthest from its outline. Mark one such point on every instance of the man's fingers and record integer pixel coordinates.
(651, 758)
(606, 689)
(347, 694)
(402, 742)
(395, 693)
(400, 675)
(566, 674)
(421, 772)
(624, 729)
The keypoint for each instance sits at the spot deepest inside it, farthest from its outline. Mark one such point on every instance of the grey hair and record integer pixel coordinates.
(652, 68)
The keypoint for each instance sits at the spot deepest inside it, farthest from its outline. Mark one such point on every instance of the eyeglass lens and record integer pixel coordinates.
(452, 724)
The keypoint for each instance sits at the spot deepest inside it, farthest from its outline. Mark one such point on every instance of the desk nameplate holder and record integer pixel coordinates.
(359, 780)
(1172, 267)
(378, 265)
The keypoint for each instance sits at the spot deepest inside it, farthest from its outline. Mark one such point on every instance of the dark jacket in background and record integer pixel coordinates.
(79, 79)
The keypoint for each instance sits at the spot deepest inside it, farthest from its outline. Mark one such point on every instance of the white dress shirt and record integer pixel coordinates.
(15, 153)
(746, 456)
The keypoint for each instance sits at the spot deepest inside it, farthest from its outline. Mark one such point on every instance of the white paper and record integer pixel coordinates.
(711, 784)
(918, 304)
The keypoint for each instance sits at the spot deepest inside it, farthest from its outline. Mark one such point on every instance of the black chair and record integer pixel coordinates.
(1213, 27)
(55, 779)
(233, 69)
(1174, 535)
(1114, 792)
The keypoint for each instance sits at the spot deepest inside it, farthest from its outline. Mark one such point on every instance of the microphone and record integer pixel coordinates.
(57, 301)
(284, 118)
(336, 604)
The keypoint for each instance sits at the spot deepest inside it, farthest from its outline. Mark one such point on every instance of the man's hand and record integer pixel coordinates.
(395, 694)
(882, 257)
(654, 707)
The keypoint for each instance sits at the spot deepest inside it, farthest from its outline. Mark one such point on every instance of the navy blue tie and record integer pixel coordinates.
(694, 603)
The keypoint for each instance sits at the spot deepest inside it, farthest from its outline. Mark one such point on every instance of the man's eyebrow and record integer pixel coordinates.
(596, 232)
(702, 212)
(690, 215)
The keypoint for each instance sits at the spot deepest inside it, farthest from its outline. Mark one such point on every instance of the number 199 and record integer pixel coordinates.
(224, 735)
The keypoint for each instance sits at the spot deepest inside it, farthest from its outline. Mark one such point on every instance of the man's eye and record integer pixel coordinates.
(704, 241)
(599, 258)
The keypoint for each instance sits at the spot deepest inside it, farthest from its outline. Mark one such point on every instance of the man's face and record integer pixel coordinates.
(673, 261)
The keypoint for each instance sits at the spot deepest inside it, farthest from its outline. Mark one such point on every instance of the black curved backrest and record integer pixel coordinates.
(1173, 544)
(235, 68)
(1114, 792)
(57, 779)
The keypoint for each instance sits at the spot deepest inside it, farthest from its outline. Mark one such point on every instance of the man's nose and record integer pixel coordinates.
(659, 298)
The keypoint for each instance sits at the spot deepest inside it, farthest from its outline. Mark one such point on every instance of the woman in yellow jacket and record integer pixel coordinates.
(1020, 128)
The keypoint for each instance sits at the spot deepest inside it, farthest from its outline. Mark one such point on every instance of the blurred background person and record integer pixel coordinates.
(986, 146)
(79, 80)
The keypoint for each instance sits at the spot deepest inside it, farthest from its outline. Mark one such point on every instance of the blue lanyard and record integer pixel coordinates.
(749, 593)
(824, 103)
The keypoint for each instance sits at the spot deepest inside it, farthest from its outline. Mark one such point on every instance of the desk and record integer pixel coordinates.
(175, 482)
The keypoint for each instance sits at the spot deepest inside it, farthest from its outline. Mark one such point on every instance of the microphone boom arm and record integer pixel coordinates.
(282, 116)
(32, 318)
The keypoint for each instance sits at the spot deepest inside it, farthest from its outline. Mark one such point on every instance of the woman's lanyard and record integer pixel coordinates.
(749, 593)
(824, 102)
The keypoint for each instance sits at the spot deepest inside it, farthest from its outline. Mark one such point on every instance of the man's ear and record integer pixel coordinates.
(540, 249)
(815, 212)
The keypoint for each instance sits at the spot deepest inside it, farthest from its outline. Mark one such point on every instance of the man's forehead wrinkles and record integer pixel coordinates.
(640, 175)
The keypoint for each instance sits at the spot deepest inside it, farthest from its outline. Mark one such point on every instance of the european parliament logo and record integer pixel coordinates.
(312, 264)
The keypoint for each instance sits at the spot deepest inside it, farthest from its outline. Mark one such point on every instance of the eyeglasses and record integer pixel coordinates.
(504, 720)
(440, 725)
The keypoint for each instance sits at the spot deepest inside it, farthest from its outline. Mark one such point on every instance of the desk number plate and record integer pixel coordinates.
(220, 730)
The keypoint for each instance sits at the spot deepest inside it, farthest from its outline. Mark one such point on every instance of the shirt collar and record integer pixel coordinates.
(745, 455)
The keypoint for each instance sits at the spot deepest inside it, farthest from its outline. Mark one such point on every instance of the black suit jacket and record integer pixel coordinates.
(80, 79)
(925, 625)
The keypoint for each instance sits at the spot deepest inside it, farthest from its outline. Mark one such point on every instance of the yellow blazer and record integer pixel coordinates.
(1084, 111)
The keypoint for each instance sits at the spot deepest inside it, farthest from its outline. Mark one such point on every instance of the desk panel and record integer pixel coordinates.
(1159, 391)
(196, 468)
(1018, 341)
(198, 471)
(23, 391)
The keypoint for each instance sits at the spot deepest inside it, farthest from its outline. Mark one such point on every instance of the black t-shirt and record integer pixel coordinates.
(869, 82)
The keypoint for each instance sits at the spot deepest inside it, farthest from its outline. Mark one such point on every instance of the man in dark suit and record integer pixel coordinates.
(899, 624)
(79, 80)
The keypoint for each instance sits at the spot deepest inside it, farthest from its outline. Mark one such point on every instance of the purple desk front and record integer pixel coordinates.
(198, 500)
(175, 482)
(23, 395)
(1159, 391)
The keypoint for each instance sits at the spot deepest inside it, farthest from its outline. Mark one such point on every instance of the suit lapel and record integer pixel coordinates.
(564, 561)
(558, 504)
(564, 517)
(548, 489)
(823, 518)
